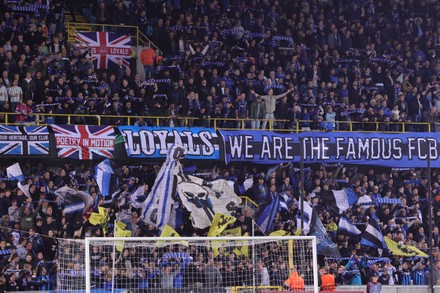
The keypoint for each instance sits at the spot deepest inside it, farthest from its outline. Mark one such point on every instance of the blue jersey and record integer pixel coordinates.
(405, 277)
(419, 277)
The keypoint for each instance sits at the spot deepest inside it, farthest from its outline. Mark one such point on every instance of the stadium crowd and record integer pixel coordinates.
(32, 226)
(361, 61)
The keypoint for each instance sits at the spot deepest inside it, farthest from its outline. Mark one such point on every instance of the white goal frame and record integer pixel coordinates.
(89, 240)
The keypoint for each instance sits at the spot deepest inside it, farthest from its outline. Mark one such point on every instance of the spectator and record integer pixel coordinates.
(213, 278)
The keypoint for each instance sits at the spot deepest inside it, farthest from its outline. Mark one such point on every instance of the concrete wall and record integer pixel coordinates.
(354, 289)
(392, 289)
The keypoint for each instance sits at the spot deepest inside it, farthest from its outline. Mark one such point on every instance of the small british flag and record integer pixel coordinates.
(84, 142)
(106, 48)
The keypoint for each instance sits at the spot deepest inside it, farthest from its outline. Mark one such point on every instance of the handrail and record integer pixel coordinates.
(146, 41)
(341, 126)
(248, 200)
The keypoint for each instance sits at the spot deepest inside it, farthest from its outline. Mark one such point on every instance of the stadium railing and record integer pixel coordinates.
(8, 118)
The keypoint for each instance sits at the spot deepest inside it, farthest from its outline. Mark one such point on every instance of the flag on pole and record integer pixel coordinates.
(308, 214)
(315, 227)
(347, 226)
(105, 178)
(219, 224)
(266, 214)
(204, 199)
(168, 231)
(232, 232)
(156, 209)
(403, 250)
(279, 233)
(339, 201)
(242, 248)
(100, 218)
(14, 172)
(372, 235)
(121, 232)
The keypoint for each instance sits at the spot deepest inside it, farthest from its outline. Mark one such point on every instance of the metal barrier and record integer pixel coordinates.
(8, 118)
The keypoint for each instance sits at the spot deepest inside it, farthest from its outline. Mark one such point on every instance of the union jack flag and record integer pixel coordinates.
(24, 140)
(106, 48)
(84, 142)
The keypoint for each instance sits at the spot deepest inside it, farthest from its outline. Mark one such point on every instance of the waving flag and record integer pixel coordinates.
(106, 48)
(347, 226)
(339, 201)
(157, 208)
(84, 142)
(314, 227)
(372, 235)
(403, 250)
(14, 172)
(266, 214)
(105, 178)
(220, 223)
(204, 199)
(76, 204)
(24, 140)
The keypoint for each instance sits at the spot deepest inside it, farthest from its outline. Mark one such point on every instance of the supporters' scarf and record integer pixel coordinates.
(349, 112)
(212, 63)
(287, 39)
(160, 80)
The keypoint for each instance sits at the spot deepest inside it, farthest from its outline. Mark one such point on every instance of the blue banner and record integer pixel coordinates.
(380, 149)
(154, 142)
(24, 140)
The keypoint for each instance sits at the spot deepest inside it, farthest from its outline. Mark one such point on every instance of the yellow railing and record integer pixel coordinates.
(132, 31)
(217, 123)
(248, 202)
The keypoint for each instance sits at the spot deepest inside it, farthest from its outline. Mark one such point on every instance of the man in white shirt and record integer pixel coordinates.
(15, 94)
(3, 93)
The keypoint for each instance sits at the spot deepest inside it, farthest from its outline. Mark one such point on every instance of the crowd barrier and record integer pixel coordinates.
(278, 125)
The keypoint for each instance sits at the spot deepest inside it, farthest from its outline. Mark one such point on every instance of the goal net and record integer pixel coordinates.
(190, 264)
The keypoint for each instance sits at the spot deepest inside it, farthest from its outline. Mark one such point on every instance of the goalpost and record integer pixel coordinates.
(186, 264)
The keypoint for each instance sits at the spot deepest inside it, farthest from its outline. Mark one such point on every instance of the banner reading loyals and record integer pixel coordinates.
(397, 150)
(154, 142)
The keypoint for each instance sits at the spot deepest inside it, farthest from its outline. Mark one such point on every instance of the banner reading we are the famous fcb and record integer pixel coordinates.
(380, 149)
(154, 142)
(84, 142)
